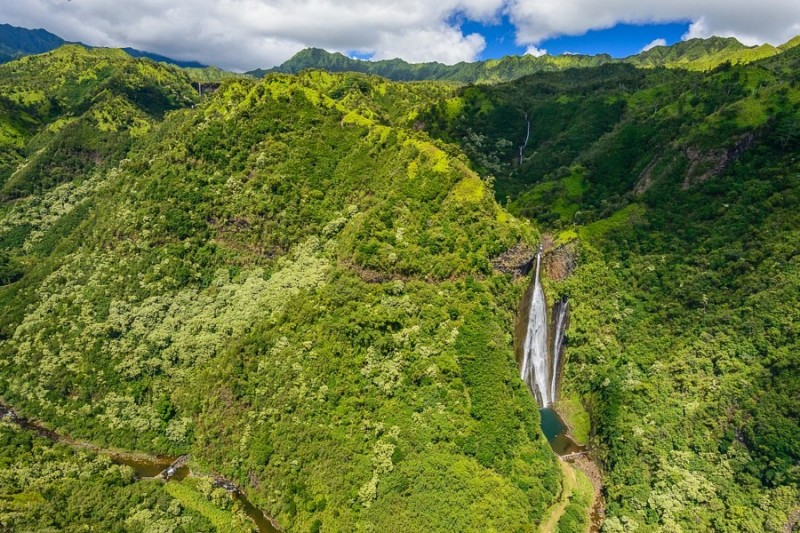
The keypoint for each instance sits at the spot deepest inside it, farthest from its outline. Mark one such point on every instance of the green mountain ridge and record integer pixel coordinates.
(694, 54)
(17, 42)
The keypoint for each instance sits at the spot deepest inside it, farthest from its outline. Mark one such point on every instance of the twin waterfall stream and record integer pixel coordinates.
(541, 359)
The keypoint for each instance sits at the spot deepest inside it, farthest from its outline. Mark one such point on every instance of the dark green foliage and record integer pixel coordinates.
(10, 270)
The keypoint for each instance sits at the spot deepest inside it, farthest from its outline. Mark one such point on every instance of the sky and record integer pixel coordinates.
(247, 34)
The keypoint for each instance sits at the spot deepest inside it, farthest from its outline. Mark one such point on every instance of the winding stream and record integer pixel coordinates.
(147, 466)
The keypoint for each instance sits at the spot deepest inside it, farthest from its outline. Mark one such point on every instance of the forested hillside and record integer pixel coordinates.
(286, 280)
(676, 193)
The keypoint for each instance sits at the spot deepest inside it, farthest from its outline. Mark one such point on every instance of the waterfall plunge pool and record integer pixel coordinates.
(557, 433)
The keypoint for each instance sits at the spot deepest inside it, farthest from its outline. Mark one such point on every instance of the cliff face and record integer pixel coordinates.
(560, 261)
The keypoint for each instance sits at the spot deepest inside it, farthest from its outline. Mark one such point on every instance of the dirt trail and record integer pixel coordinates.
(549, 525)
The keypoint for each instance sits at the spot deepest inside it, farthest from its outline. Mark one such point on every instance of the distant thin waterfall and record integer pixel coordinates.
(535, 363)
(559, 325)
(527, 138)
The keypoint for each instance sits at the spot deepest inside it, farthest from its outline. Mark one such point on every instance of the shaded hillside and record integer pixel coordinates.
(163, 59)
(679, 192)
(294, 285)
(17, 42)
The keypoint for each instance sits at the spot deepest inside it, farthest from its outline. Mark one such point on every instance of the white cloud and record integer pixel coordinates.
(535, 52)
(773, 21)
(652, 44)
(245, 34)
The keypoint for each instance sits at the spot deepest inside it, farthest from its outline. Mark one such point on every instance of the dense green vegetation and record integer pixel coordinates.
(290, 282)
(575, 519)
(680, 191)
(51, 487)
(493, 70)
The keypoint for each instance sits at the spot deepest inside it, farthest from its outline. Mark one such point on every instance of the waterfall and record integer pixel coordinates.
(527, 138)
(559, 326)
(535, 362)
(541, 361)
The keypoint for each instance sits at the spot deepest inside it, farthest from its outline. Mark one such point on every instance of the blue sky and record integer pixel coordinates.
(620, 41)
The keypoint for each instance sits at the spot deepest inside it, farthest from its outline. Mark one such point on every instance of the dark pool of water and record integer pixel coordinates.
(555, 430)
(263, 523)
(146, 467)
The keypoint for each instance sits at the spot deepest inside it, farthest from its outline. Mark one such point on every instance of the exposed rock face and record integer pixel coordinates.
(706, 165)
(701, 165)
(517, 260)
(560, 262)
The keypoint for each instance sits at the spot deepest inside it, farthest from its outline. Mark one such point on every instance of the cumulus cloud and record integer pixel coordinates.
(245, 34)
(652, 44)
(773, 21)
(535, 52)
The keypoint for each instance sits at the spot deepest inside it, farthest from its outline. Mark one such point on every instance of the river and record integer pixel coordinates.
(146, 466)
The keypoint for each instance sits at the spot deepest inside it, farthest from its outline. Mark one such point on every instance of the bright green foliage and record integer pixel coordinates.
(292, 283)
(70, 112)
(213, 504)
(493, 70)
(694, 54)
(702, 54)
(51, 487)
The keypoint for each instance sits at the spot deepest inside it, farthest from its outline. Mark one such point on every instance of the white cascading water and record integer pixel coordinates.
(535, 364)
(558, 341)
